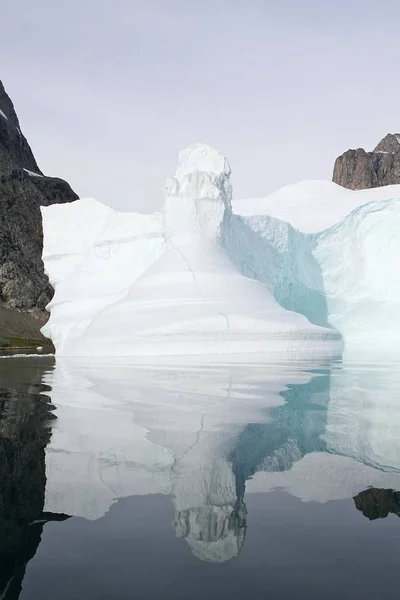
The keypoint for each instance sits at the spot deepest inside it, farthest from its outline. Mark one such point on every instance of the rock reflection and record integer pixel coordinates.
(25, 416)
(376, 503)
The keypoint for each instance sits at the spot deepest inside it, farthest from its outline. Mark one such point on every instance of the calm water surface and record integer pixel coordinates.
(221, 481)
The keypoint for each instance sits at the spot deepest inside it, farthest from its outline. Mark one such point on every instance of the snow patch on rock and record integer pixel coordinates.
(32, 174)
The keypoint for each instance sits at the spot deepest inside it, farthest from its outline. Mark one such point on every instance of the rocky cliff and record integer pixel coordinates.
(24, 288)
(358, 169)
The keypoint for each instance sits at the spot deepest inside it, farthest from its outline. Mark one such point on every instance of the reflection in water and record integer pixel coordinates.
(125, 431)
(208, 502)
(214, 531)
(205, 436)
(378, 504)
(25, 416)
(294, 430)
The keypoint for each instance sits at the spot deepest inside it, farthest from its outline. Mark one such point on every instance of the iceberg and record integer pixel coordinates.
(303, 271)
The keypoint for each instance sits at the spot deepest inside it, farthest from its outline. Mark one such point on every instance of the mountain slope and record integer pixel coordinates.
(358, 169)
(24, 288)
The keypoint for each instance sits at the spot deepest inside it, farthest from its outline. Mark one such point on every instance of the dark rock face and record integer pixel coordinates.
(358, 169)
(24, 288)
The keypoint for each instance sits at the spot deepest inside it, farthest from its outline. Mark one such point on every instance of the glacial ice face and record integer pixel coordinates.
(201, 279)
(92, 254)
(359, 260)
(346, 276)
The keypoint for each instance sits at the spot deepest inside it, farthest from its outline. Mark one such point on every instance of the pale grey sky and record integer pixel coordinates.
(108, 91)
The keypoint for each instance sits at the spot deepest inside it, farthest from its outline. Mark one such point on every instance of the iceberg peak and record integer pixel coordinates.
(198, 197)
(201, 158)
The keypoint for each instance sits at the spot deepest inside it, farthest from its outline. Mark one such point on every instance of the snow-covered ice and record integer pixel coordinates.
(296, 272)
(312, 206)
(92, 255)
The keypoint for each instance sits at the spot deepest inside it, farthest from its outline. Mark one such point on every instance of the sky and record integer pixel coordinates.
(109, 91)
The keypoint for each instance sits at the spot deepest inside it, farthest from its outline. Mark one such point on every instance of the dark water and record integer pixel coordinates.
(274, 482)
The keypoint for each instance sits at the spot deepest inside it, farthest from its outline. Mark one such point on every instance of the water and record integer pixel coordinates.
(245, 480)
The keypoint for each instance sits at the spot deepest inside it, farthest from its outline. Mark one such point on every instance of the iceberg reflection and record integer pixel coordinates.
(207, 434)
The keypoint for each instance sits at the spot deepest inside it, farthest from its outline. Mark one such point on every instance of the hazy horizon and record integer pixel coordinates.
(107, 93)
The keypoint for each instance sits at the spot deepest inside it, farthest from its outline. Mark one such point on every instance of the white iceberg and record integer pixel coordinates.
(317, 265)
